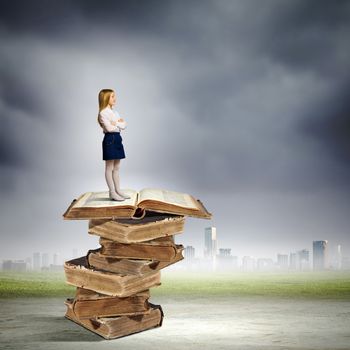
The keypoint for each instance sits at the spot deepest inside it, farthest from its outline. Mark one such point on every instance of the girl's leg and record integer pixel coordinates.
(117, 180)
(109, 180)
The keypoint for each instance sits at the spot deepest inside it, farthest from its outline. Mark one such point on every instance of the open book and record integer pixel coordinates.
(98, 205)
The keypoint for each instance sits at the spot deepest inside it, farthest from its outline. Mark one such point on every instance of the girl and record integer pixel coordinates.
(112, 147)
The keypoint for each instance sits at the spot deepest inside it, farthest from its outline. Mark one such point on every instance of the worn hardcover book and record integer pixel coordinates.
(87, 304)
(79, 274)
(160, 249)
(89, 294)
(130, 266)
(116, 327)
(153, 225)
(92, 205)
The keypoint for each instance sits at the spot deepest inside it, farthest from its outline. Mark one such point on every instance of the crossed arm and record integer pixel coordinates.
(120, 123)
(111, 125)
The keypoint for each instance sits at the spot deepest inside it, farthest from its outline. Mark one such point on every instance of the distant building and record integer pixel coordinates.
(14, 265)
(45, 261)
(320, 255)
(225, 261)
(19, 265)
(56, 258)
(36, 261)
(28, 261)
(7, 265)
(345, 263)
(282, 261)
(338, 258)
(235, 262)
(224, 252)
(293, 261)
(265, 264)
(248, 263)
(210, 242)
(189, 252)
(56, 267)
(303, 260)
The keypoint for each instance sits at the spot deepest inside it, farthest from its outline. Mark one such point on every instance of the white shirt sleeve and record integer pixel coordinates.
(120, 125)
(106, 122)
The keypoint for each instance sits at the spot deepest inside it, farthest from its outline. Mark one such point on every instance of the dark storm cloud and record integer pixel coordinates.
(14, 146)
(16, 91)
(224, 72)
(21, 101)
(10, 155)
(54, 18)
(310, 35)
(313, 39)
(17, 96)
(305, 40)
(331, 125)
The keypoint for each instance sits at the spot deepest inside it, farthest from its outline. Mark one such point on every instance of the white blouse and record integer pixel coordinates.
(107, 116)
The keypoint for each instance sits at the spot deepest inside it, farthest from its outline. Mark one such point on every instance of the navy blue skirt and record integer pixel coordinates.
(112, 146)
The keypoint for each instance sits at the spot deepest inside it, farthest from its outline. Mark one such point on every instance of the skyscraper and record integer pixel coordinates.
(303, 259)
(248, 263)
(45, 260)
(189, 252)
(320, 255)
(225, 252)
(36, 261)
(55, 259)
(28, 261)
(265, 264)
(338, 257)
(282, 261)
(210, 242)
(292, 261)
(225, 261)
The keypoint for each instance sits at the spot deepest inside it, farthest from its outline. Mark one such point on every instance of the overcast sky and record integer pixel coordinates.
(243, 104)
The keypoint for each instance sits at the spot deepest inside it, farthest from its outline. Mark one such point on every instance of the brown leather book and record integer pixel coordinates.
(161, 249)
(92, 304)
(79, 274)
(130, 266)
(153, 225)
(98, 205)
(88, 294)
(116, 327)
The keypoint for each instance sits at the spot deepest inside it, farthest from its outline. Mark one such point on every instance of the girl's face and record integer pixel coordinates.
(112, 99)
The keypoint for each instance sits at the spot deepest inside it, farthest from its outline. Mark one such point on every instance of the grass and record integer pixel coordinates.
(34, 284)
(329, 285)
(333, 285)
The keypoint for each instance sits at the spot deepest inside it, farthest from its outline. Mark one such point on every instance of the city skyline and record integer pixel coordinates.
(199, 245)
(214, 257)
(321, 257)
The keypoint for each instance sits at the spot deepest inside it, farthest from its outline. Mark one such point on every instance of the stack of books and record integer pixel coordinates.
(136, 239)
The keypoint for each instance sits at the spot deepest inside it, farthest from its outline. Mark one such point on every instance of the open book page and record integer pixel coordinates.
(176, 198)
(101, 199)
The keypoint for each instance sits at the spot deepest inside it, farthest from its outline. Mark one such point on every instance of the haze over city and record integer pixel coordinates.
(243, 105)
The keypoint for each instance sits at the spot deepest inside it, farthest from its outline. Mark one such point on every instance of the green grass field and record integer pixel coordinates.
(330, 285)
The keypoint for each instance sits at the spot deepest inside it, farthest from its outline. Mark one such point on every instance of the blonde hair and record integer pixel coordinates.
(103, 100)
